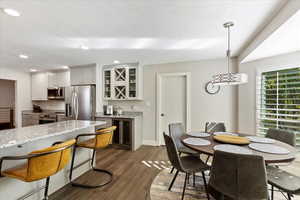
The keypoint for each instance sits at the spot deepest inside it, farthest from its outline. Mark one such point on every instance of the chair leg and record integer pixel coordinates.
(46, 188)
(194, 180)
(289, 196)
(272, 192)
(72, 164)
(205, 184)
(96, 170)
(173, 180)
(171, 172)
(207, 159)
(186, 177)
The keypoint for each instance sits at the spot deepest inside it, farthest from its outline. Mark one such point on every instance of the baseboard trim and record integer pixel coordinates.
(150, 142)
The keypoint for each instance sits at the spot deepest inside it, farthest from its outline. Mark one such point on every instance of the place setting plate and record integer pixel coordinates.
(257, 139)
(232, 149)
(197, 141)
(268, 148)
(198, 134)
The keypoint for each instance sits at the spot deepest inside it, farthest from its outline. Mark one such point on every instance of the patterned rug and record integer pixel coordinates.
(159, 187)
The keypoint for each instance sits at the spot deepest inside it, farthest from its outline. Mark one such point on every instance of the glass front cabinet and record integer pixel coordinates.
(122, 82)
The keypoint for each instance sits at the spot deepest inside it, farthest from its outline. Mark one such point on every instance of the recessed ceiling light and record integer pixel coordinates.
(84, 47)
(23, 56)
(116, 61)
(65, 67)
(33, 70)
(11, 12)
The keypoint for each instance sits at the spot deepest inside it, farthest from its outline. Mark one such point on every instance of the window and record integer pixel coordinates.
(278, 101)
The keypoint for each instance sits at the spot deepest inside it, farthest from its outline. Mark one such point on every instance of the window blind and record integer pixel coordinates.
(278, 101)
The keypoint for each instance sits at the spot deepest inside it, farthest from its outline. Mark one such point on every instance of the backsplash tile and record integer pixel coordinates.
(50, 105)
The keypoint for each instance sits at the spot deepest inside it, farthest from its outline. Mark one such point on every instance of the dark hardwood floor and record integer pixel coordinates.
(132, 179)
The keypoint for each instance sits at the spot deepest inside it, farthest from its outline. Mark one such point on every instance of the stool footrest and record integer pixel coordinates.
(95, 186)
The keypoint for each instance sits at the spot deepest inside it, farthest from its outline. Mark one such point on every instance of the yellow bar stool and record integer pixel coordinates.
(40, 164)
(102, 139)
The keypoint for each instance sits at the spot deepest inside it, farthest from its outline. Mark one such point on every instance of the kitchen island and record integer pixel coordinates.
(21, 141)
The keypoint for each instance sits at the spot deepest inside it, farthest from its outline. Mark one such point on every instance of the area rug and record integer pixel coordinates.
(159, 187)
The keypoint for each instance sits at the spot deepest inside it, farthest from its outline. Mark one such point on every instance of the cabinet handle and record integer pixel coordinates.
(162, 114)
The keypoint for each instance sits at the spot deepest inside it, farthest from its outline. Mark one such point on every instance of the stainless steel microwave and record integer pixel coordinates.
(56, 93)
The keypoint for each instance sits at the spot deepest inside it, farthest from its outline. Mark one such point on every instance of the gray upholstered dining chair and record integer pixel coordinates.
(284, 181)
(176, 130)
(209, 126)
(285, 136)
(238, 176)
(278, 178)
(187, 164)
(212, 127)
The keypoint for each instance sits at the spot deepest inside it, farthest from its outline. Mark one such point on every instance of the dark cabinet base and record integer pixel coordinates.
(123, 135)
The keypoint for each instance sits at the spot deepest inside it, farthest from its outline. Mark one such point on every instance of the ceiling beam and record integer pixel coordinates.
(286, 12)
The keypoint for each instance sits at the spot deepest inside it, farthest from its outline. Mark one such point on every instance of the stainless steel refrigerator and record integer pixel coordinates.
(82, 99)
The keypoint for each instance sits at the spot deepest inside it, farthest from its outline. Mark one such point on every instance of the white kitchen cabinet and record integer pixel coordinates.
(83, 75)
(122, 82)
(63, 79)
(52, 80)
(58, 79)
(39, 86)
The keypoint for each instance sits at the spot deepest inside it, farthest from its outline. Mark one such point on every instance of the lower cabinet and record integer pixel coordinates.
(30, 120)
(123, 134)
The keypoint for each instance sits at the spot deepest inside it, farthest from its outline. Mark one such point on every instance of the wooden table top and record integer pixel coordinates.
(269, 158)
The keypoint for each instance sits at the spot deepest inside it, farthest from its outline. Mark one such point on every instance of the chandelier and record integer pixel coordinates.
(229, 78)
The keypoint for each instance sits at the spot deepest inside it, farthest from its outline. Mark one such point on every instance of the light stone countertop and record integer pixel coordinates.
(18, 136)
(126, 114)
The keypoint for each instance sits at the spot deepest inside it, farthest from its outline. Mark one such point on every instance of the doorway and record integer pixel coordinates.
(173, 102)
(7, 104)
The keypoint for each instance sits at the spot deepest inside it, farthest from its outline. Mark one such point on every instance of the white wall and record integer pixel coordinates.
(204, 107)
(23, 90)
(247, 92)
(7, 93)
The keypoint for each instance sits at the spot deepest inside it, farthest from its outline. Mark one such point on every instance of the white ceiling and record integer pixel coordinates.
(150, 31)
(285, 39)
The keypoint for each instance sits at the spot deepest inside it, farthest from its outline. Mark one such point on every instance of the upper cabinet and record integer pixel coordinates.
(41, 81)
(59, 79)
(39, 85)
(122, 82)
(83, 75)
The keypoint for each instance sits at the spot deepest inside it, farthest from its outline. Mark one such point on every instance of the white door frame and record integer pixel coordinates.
(159, 77)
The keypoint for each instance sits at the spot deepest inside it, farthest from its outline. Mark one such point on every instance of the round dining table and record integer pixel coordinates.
(268, 157)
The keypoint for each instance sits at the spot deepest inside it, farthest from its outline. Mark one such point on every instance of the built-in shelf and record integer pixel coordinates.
(122, 82)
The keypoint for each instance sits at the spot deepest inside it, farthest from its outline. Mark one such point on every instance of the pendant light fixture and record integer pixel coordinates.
(229, 78)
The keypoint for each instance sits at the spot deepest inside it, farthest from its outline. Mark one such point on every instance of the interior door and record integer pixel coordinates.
(173, 102)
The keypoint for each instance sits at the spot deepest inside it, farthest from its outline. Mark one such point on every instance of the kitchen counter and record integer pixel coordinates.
(18, 136)
(31, 118)
(126, 114)
(43, 112)
(21, 141)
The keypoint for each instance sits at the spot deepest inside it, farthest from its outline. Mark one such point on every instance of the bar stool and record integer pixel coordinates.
(102, 139)
(40, 164)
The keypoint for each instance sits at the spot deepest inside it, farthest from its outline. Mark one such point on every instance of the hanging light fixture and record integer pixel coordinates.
(229, 78)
